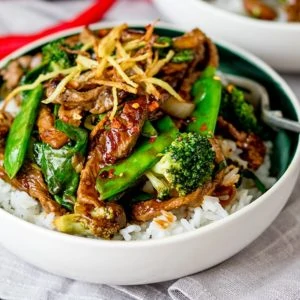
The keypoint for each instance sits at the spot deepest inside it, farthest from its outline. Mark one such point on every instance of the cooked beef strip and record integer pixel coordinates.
(113, 140)
(254, 150)
(218, 151)
(293, 11)
(70, 116)
(147, 210)
(182, 76)
(12, 74)
(230, 130)
(253, 147)
(30, 180)
(96, 100)
(190, 40)
(14, 71)
(48, 133)
(260, 9)
(213, 56)
(206, 54)
(119, 140)
(226, 194)
(6, 120)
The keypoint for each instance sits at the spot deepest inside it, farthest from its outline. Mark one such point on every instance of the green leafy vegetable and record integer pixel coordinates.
(59, 165)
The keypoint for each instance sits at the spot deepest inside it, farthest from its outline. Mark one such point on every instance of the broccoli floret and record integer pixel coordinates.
(237, 110)
(187, 164)
(72, 224)
(55, 56)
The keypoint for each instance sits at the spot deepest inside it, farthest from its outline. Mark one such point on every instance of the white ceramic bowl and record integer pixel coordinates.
(138, 262)
(277, 43)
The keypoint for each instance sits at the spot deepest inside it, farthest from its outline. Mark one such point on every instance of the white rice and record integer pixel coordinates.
(12, 107)
(182, 220)
(23, 206)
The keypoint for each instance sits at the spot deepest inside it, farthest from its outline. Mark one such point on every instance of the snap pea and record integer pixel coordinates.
(19, 135)
(126, 173)
(183, 56)
(148, 130)
(207, 97)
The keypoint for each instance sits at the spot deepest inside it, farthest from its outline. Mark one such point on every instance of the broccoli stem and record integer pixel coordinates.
(126, 172)
(159, 184)
(207, 91)
(72, 224)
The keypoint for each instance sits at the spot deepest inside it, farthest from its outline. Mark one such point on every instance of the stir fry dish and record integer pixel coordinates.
(270, 10)
(116, 127)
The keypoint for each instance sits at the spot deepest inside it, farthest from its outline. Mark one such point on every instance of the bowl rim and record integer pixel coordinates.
(84, 241)
(294, 26)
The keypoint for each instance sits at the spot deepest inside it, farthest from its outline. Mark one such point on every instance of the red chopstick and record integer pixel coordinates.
(92, 14)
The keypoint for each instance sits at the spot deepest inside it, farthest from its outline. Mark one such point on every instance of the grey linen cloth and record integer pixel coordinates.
(267, 269)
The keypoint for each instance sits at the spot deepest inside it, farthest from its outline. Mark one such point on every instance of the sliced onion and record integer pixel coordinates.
(178, 109)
